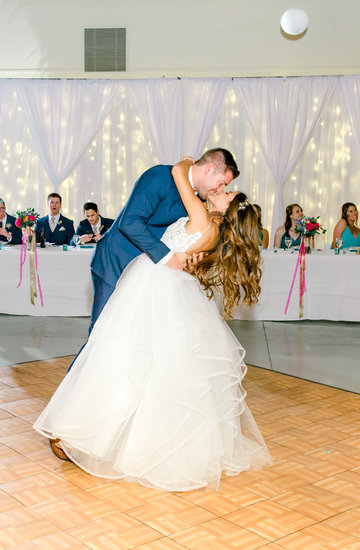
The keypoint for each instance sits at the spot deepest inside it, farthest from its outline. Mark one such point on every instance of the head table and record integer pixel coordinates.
(64, 277)
(332, 285)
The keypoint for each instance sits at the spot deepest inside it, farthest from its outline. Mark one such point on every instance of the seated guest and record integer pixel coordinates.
(56, 228)
(8, 230)
(93, 226)
(263, 233)
(292, 214)
(346, 228)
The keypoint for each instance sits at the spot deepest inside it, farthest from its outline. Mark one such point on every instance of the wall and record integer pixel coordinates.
(44, 38)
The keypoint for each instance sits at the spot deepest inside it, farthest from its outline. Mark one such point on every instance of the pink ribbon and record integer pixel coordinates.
(301, 261)
(302, 256)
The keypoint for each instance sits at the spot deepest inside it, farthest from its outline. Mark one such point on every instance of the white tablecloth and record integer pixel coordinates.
(332, 282)
(332, 288)
(65, 281)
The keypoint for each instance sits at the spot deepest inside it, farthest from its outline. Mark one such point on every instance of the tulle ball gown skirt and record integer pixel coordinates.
(155, 396)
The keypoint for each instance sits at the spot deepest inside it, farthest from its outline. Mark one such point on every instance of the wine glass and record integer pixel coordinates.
(76, 239)
(338, 243)
(288, 242)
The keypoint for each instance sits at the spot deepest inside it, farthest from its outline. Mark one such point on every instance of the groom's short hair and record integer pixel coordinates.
(222, 159)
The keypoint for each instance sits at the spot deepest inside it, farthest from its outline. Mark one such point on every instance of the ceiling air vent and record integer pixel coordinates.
(105, 50)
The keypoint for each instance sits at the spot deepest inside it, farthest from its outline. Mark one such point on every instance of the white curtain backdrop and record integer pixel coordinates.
(63, 117)
(306, 142)
(283, 114)
(157, 102)
(2, 116)
(201, 101)
(178, 114)
(350, 87)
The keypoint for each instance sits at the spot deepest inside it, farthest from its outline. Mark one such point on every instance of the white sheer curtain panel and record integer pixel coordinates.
(158, 105)
(328, 173)
(283, 114)
(178, 114)
(105, 174)
(201, 101)
(232, 130)
(2, 116)
(21, 175)
(63, 118)
(350, 87)
(114, 160)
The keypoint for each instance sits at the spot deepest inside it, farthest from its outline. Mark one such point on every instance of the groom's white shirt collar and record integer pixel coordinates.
(190, 177)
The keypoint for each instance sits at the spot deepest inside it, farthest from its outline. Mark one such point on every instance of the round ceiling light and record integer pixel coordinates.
(294, 22)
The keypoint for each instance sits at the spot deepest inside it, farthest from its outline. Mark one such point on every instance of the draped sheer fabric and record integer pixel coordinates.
(350, 87)
(294, 139)
(283, 114)
(63, 117)
(157, 102)
(178, 115)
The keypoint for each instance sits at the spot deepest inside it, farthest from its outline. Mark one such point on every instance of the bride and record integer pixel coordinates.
(155, 396)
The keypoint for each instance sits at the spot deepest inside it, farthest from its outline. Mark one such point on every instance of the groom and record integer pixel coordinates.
(153, 205)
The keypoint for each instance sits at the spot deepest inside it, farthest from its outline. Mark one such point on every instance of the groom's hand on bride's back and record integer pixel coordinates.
(192, 261)
(184, 261)
(178, 260)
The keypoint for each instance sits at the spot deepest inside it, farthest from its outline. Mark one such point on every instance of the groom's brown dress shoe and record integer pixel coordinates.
(57, 450)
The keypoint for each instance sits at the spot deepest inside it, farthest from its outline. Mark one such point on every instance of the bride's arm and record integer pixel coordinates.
(195, 208)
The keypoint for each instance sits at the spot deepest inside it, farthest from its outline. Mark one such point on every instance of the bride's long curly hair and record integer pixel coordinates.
(233, 266)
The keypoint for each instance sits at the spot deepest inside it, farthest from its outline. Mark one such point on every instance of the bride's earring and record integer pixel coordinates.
(207, 205)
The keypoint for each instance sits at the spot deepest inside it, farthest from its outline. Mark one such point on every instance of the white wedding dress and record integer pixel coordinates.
(155, 396)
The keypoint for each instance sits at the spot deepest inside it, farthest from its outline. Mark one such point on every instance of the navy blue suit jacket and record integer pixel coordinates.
(63, 233)
(153, 205)
(16, 233)
(84, 227)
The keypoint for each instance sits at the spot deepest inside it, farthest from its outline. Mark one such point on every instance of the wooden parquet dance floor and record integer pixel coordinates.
(308, 499)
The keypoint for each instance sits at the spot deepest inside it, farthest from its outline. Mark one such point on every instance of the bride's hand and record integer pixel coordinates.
(192, 260)
(178, 261)
(195, 258)
(182, 166)
(187, 159)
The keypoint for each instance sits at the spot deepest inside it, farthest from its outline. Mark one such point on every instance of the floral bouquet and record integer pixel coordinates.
(26, 218)
(308, 226)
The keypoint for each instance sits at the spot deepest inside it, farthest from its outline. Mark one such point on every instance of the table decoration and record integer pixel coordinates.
(307, 226)
(25, 221)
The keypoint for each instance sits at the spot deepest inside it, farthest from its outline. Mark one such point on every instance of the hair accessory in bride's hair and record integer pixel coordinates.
(243, 205)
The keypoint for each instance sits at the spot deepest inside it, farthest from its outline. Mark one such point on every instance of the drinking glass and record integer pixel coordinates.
(338, 243)
(288, 242)
(76, 239)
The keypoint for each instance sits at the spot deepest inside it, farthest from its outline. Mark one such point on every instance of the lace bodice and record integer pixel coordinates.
(176, 238)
